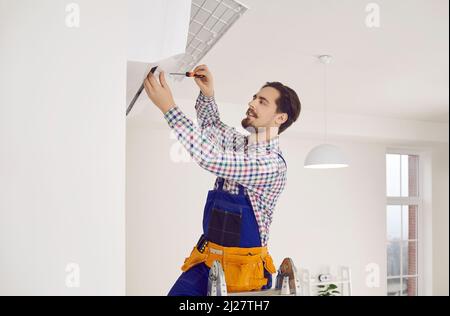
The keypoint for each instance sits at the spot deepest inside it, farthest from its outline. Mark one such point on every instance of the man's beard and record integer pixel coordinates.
(246, 122)
(247, 125)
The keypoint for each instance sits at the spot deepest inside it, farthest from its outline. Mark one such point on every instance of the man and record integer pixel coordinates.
(251, 176)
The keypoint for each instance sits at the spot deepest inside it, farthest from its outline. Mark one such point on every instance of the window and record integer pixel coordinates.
(402, 224)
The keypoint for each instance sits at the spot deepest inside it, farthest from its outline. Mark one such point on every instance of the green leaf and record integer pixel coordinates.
(321, 286)
(332, 286)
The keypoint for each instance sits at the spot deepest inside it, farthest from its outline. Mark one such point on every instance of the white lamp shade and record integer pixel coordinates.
(325, 156)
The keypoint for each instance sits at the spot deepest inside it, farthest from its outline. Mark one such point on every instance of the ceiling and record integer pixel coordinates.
(399, 70)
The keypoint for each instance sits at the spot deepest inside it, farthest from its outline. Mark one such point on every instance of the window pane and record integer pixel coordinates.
(409, 287)
(409, 175)
(393, 287)
(393, 259)
(413, 175)
(409, 221)
(409, 258)
(404, 175)
(393, 175)
(393, 222)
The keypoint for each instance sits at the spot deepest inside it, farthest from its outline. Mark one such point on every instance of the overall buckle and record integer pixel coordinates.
(201, 244)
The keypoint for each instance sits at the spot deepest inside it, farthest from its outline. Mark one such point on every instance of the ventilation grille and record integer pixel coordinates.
(210, 20)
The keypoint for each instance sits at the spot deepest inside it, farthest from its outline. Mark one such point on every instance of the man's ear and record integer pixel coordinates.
(282, 118)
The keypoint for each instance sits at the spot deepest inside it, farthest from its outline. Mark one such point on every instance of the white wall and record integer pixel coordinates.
(440, 220)
(334, 217)
(62, 154)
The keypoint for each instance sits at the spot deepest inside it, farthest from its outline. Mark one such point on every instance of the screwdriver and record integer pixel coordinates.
(188, 74)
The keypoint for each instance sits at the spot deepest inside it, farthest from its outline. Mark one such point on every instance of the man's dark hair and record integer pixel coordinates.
(288, 102)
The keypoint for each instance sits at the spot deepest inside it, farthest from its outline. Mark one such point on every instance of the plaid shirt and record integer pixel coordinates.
(229, 154)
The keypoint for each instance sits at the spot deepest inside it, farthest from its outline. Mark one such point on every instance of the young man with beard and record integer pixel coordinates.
(251, 174)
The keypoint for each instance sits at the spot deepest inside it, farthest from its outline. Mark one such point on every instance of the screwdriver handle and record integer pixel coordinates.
(192, 74)
(188, 74)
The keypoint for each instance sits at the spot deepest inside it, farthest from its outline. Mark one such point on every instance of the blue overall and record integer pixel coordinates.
(228, 220)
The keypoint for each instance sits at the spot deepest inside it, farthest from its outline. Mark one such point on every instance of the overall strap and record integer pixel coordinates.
(221, 181)
(241, 189)
(283, 159)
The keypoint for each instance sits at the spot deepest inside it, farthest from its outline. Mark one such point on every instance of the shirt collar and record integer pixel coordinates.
(263, 144)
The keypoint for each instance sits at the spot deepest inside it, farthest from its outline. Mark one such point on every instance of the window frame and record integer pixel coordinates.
(415, 200)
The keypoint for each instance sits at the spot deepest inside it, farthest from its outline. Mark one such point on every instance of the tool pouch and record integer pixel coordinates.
(243, 271)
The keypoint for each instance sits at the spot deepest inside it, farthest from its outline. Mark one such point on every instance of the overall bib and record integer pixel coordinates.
(231, 235)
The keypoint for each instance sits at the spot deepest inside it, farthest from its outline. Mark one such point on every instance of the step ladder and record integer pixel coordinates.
(287, 282)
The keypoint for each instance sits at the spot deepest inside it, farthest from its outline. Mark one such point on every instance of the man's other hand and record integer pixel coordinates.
(159, 92)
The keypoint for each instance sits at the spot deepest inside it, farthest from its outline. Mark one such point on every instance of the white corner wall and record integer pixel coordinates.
(440, 220)
(62, 148)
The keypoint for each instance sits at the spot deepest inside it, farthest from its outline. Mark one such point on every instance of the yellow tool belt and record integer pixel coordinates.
(243, 267)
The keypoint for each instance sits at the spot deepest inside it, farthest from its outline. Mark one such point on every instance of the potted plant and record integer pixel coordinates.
(328, 290)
